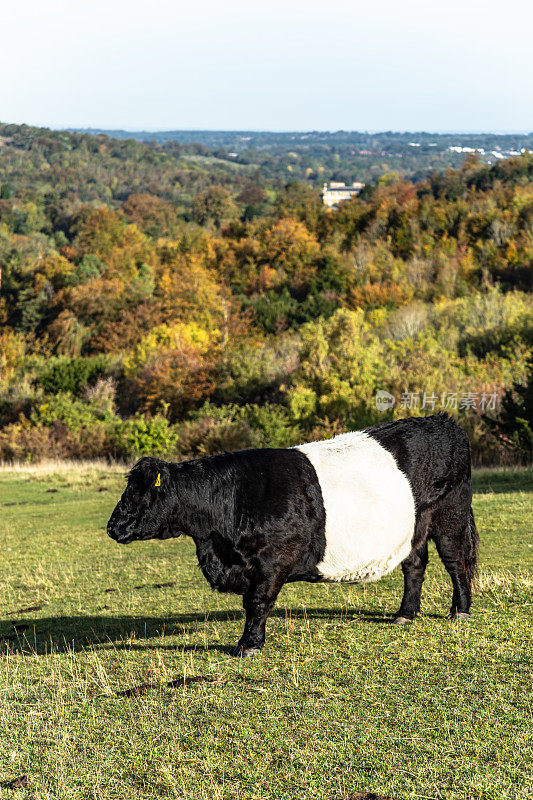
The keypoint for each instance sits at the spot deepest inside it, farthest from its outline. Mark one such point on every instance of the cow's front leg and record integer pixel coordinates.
(258, 602)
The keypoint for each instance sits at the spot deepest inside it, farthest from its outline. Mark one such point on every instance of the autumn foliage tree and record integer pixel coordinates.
(160, 299)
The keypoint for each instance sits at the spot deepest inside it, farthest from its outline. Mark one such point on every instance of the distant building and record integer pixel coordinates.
(338, 193)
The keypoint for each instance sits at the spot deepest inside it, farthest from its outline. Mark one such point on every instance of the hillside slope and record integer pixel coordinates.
(149, 303)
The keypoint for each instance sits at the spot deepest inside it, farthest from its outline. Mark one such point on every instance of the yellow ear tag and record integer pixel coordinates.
(158, 481)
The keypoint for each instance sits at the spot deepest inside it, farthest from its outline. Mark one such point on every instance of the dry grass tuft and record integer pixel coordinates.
(59, 466)
(504, 582)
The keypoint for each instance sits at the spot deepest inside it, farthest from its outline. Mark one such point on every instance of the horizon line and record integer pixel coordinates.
(435, 132)
(369, 131)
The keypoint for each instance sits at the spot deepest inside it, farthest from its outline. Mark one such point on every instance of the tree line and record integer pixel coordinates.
(151, 303)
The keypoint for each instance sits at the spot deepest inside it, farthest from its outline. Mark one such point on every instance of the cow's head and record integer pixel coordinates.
(145, 508)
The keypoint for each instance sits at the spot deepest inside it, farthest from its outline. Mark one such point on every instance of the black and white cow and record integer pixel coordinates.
(349, 509)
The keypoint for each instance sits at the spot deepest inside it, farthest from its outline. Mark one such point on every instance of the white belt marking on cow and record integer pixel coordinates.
(369, 505)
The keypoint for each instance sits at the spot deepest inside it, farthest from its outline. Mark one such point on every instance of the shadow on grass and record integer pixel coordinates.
(61, 634)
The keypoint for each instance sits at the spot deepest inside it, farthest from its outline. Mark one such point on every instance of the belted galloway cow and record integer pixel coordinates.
(348, 509)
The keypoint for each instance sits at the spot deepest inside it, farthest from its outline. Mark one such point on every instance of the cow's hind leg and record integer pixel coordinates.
(414, 567)
(454, 531)
(258, 603)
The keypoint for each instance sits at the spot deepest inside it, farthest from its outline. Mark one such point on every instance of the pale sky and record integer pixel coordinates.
(268, 64)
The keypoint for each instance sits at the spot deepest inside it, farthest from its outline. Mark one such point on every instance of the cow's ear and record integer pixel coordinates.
(148, 473)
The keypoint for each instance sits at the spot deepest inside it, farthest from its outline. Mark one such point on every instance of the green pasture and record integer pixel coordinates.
(339, 702)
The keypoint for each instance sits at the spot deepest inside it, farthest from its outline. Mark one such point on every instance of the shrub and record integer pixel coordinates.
(251, 373)
(267, 425)
(142, 436)
(70, 411)
(24, 441)
(64, 374)
(208, 436)
(514, 425)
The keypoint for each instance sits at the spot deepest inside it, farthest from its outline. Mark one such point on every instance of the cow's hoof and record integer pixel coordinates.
(245, 652)
(401, 620)
(460, 616)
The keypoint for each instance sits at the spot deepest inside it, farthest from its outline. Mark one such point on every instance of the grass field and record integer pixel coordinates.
(339, 702)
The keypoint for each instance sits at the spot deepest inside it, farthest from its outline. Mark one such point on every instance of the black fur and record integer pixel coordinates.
(434, 454)
(257, 517)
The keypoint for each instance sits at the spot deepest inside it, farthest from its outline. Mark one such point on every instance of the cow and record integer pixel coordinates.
(348, 509)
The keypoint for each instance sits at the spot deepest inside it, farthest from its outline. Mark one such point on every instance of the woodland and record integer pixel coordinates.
(160, 298)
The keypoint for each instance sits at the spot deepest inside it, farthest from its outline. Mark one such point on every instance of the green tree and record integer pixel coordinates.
(515, 421)
(215, 205)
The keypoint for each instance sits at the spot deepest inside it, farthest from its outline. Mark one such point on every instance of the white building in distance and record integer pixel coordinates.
(338, 193)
